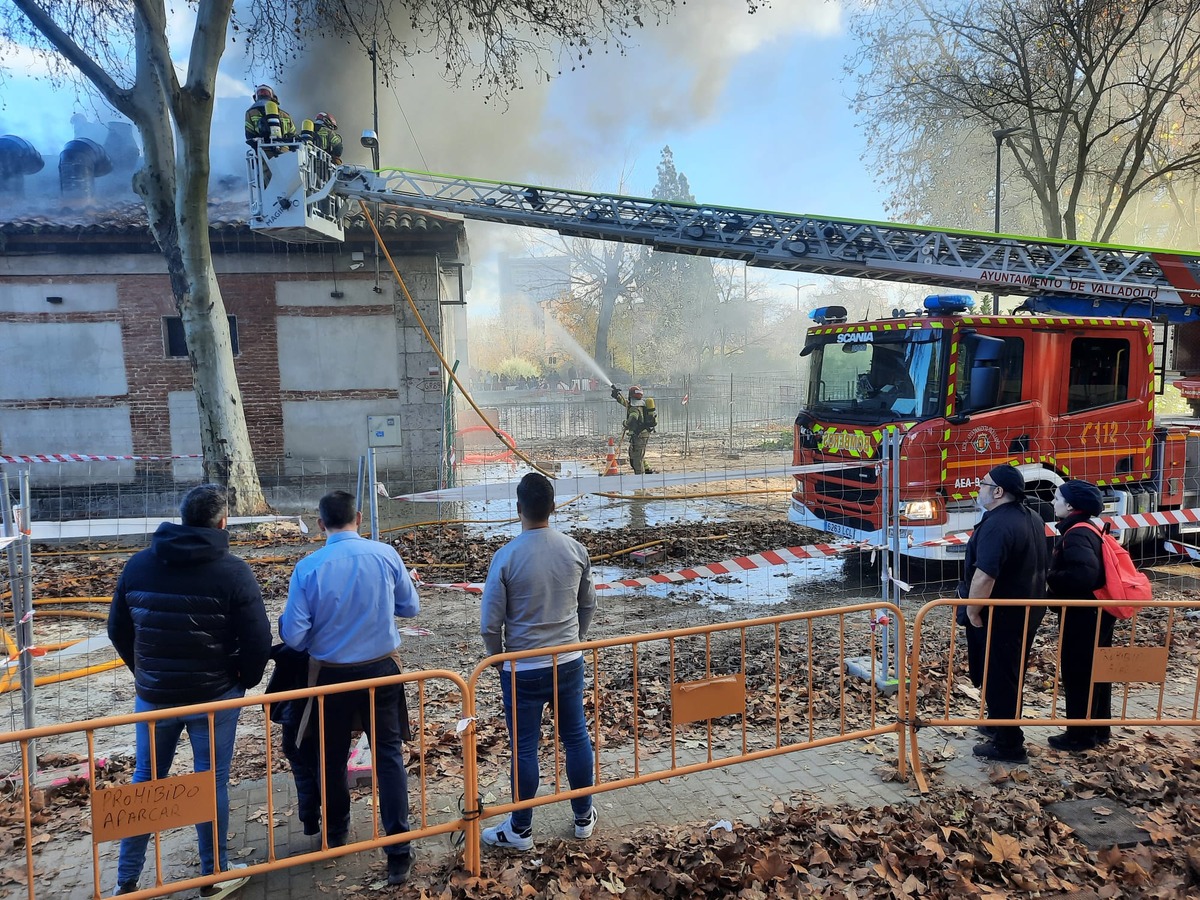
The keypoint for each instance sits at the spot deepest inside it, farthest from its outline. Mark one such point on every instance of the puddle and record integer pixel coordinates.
(760, 588)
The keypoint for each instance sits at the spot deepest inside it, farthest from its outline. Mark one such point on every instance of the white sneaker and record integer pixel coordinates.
(503, 835)
(225, 888)
(585, 826)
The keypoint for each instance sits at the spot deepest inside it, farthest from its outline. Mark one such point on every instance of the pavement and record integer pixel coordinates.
(851, 773)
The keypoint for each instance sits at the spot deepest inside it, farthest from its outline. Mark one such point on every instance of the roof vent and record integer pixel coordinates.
(81, 162)
(18, 158)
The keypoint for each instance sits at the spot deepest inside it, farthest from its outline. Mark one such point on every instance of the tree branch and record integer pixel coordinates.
(74, 54)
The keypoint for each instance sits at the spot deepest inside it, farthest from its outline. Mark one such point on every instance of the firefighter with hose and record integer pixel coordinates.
(640, 422)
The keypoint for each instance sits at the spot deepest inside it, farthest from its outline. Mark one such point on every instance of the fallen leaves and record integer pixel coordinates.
(1003, 848)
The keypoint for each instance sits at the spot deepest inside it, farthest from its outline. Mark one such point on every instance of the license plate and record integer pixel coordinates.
(843, 530)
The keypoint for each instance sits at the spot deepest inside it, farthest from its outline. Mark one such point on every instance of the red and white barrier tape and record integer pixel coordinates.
(1119, 523)
(90, 457)
(767, 559)
(785, 555)
(1182, 549)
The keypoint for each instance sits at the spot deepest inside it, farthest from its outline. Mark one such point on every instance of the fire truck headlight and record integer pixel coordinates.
(919, 510)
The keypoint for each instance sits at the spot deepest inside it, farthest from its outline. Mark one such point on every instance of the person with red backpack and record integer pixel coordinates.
(1076, 572)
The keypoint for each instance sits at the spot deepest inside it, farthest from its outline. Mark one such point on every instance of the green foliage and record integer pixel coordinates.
(518, 367)
(785, 441)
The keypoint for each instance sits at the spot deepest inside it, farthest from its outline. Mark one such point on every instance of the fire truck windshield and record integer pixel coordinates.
(876, 376)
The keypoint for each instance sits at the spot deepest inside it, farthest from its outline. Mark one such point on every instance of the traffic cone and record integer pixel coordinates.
(611, 460)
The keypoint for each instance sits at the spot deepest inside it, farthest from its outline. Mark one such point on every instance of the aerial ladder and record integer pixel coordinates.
(301, 196)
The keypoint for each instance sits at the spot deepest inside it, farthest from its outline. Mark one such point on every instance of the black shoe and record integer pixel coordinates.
(988, 732)
(1103, 735)
(311, 828)
(339, 839)
(989, 750)
(127, 887)
(1069, 743)
(398, 869)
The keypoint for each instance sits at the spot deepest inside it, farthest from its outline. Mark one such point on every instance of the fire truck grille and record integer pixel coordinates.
(847, 493)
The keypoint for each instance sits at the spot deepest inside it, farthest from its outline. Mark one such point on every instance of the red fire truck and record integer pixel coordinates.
(1059, 397)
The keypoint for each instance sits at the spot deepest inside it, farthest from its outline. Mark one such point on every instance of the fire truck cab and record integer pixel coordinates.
(1060, 397)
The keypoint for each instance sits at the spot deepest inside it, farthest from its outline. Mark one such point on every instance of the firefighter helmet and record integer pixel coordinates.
(265, 92)
(635, 393)
(324, 118)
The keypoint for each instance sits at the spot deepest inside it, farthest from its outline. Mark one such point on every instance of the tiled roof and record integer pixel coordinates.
(110, 218)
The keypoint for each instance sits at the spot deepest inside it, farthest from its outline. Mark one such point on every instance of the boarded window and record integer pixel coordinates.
(174, 343)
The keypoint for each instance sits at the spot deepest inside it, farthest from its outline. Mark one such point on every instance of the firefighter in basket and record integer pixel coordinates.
(266, 122)
(639, 423)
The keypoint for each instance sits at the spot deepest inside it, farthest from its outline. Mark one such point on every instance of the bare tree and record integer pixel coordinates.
(121, 48)
(1104, 92)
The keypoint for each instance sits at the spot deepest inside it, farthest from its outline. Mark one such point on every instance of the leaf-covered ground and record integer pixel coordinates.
(994, 841)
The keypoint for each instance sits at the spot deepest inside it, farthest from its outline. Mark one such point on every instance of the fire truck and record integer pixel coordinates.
(1064, 389)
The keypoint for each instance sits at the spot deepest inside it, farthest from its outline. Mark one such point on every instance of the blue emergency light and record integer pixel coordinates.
(829, 315)
(949, 303)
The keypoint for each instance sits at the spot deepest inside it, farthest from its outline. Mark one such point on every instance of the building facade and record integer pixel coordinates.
(93, 360)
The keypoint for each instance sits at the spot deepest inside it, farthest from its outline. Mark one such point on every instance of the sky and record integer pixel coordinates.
(754, 107)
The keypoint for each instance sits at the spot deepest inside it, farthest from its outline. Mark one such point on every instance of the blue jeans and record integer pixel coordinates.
(535, 690)
(166, 738)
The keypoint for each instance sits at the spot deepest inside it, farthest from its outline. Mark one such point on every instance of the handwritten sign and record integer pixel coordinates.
(1144, 664)
(150, 806)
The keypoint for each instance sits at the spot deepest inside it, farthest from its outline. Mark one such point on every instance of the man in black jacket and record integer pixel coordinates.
(188, 620)
(1005, 560)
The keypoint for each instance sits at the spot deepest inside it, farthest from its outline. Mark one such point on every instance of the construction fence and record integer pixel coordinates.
(658, 705)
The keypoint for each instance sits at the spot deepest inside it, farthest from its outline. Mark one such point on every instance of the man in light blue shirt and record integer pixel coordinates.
(341, 608)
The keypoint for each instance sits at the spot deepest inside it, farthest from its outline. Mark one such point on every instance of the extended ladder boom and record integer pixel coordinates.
(1059, 276)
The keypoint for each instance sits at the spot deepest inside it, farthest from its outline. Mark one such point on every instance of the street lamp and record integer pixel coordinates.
(1001, 135)
(799, 286)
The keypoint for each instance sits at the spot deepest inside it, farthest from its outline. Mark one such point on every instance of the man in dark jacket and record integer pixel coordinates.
(188, 620)
(1005, 560)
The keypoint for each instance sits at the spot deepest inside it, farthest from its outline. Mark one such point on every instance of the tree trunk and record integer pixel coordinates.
(610, 290)
(176, 200)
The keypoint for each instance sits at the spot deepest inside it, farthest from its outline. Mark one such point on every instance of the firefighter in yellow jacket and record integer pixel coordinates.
(640, 421)
(266, 122)
(325, 136)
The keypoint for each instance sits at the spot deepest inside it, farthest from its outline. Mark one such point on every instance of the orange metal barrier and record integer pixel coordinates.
(1144, 650)
(662, 696)
(184, 800)
(660, 705)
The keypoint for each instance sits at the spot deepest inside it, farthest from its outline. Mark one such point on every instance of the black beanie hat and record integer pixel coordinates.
(1083, 496)
(1010, 479)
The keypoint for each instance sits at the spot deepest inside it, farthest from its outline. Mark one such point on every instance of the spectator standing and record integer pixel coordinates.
(1005, 559)
(539, 593)
(1076, 572)
(188, 620)
(341, 608)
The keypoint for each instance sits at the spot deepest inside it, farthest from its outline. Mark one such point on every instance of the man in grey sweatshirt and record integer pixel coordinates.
(538, 594)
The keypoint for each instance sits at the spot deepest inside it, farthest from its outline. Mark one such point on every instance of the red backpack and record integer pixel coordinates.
(1122, 580)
